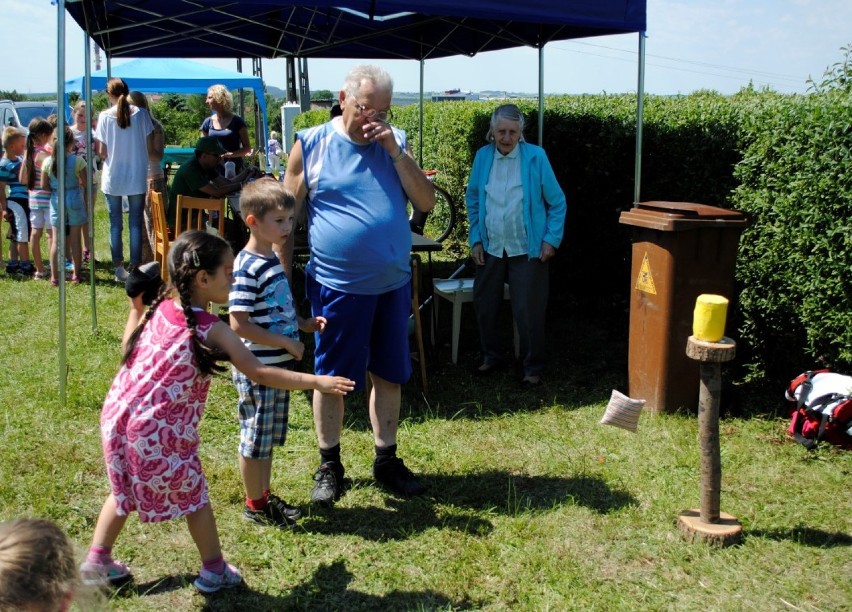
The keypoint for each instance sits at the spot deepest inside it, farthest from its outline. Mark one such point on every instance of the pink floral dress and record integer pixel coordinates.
(149, 422)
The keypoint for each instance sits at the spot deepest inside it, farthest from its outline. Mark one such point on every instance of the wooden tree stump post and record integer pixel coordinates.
(709, 524)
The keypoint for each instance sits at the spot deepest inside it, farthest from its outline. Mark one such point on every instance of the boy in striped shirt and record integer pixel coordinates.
(263, 313)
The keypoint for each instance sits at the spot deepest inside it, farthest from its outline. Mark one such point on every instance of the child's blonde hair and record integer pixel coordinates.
(259, 197)
(11, 133)
(37, 566)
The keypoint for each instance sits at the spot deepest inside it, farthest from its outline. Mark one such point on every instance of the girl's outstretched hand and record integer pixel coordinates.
(336, 385)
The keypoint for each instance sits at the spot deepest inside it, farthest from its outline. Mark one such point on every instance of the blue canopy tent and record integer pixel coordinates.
(363, 29)
(172, 75)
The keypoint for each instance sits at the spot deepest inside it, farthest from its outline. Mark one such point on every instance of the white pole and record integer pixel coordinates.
(59, 167)
(90, 171)
(640, 107)
(420, 146)
(541, 96)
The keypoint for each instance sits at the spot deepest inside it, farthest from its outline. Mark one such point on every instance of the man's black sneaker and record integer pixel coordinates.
(291, 512)
(392, 474)
(328, 484)
(271, 516)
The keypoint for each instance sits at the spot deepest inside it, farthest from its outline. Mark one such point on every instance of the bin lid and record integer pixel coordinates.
(679, 216)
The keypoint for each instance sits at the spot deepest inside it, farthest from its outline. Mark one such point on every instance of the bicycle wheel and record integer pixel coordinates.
(439, 222)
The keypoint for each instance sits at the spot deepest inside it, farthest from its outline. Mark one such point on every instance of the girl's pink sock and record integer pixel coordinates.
(217, 565)
(102, 555)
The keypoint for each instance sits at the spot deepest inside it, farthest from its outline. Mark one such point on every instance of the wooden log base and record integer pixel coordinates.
(727, 532)
(711, 352)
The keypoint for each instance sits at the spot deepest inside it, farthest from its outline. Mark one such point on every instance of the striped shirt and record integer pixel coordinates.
(9, 169)
(261, 289)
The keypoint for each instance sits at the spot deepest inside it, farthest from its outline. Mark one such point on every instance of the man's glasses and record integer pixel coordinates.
(372, 113)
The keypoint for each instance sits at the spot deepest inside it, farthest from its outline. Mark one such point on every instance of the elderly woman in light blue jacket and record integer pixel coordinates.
(516, 212)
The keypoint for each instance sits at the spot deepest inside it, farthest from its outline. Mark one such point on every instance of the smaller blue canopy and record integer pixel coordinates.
(172, 75)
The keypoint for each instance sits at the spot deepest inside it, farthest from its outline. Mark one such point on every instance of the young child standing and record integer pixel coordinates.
(15, 207)
(76, 214)
(263, 313)
(150, 418)
(38, 139)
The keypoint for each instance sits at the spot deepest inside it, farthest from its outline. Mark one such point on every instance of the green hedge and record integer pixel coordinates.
(785, 160)
(796, 258)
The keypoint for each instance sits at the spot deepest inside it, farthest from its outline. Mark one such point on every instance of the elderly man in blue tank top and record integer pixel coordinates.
(355, 175)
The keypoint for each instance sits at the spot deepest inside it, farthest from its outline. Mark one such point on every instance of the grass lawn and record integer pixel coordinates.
(532, 504)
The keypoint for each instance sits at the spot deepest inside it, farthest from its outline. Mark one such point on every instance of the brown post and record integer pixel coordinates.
(709, 523)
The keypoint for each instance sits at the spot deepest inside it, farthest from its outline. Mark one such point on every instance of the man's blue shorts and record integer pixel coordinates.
(363, 333)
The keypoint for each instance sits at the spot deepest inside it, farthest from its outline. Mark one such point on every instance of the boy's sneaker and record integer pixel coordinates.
(274, 514)
(328, 484)
(291, 512)
(392, 474)
(100, 574)
(13, 267)
(208, 582)
(27, 268)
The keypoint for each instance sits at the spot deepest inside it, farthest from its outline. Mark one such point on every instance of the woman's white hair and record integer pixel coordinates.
(505, 111)
(379, 77)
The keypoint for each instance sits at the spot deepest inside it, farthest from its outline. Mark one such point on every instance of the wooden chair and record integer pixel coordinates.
(418, 323)
(162, 239)
(190, 214)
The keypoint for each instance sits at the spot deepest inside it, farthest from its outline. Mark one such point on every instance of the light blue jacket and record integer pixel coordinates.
(544, 201)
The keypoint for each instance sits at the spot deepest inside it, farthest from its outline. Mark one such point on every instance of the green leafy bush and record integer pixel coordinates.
(796, 258)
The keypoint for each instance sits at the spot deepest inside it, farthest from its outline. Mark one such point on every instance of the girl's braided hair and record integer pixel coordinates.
(190, 253)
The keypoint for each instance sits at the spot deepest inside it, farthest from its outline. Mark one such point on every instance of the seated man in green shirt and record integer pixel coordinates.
(199, 177)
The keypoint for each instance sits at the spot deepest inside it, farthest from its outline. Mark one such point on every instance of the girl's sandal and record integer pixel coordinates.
(41, 275)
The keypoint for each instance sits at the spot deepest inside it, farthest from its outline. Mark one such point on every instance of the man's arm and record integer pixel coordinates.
(294, 181)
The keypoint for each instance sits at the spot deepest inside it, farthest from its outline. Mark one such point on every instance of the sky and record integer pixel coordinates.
(721, 45)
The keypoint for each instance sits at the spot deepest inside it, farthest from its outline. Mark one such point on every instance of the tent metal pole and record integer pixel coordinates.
(541, 96)
(640, 109)
(420, 145)
(59, 166)
(90, 170)
(242, 95)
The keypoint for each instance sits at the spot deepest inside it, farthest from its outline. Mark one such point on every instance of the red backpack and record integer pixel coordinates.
(821, 409)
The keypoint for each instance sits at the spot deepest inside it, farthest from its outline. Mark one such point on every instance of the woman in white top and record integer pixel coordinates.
(156, 174)
(123, 134)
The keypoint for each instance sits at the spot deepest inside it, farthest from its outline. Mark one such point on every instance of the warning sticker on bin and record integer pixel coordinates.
(645, 280)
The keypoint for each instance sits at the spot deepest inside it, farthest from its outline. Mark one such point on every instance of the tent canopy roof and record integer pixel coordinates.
(367, 29)
(171, 75)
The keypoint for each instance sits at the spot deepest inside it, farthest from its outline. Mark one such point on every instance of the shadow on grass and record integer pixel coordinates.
(804, 535)
(457, 501)
(512, 494)
(328, 589)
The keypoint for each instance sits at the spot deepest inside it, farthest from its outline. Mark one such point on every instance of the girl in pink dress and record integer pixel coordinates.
(150, 419)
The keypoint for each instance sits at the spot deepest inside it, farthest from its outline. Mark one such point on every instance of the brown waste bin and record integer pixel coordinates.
(680, 250)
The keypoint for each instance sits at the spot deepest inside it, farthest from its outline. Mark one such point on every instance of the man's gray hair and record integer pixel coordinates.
(505, 111)
(379, 77)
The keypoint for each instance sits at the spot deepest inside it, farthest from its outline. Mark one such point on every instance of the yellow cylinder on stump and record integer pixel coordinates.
(708, 321)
